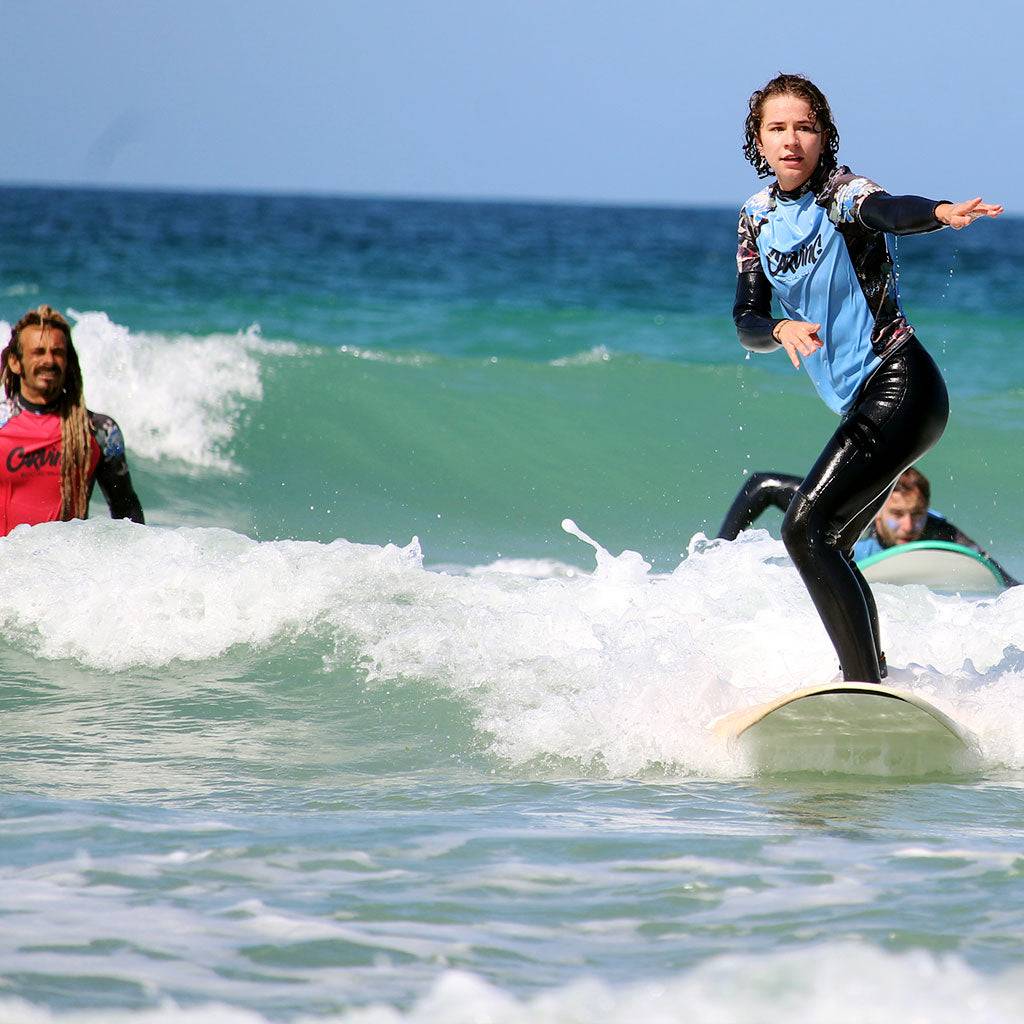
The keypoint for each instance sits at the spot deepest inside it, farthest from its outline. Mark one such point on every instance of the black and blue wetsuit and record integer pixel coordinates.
(822, 251)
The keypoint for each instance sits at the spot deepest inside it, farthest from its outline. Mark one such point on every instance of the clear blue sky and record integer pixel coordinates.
(562, 99)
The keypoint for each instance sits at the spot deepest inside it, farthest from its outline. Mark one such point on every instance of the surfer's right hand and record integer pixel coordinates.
(798, 339)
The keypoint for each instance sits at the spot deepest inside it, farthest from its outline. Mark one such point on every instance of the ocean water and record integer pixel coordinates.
(353, 730)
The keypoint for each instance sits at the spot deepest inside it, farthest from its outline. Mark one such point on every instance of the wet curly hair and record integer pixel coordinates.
(805, 89)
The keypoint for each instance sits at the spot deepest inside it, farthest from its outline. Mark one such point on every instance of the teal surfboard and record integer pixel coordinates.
(938, 564)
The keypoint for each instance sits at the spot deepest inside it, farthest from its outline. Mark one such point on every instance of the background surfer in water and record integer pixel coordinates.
(815, 239)
(53, 450)
(905, 516)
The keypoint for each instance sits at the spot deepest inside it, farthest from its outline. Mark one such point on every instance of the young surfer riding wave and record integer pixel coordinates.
(815, 240)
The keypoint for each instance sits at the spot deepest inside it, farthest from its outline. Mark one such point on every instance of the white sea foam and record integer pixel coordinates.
(20, 289)
(806, 987)
(843, 984)
(175, 397)
(535, 568)
(619, 668)
(810, 986)
(597, 354)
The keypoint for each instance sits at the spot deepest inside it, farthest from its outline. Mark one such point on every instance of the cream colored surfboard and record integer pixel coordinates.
(848, 728)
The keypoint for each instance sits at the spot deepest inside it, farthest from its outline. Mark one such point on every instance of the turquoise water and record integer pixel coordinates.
(354, 730)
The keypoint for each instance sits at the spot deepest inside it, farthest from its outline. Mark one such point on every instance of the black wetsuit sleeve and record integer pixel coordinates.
(937, 528)
(116, 484)
(112, 471)
(900, 215)
(752, 312)
(760, 491)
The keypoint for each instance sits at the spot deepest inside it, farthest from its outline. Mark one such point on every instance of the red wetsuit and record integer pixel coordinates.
(30, 451)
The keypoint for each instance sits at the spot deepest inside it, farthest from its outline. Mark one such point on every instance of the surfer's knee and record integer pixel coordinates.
(798, 533)
(805, 530)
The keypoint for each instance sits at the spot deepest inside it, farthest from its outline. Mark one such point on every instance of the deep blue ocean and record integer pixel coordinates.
(353, 730)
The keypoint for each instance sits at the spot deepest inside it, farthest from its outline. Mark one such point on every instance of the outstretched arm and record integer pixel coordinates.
(912, 215)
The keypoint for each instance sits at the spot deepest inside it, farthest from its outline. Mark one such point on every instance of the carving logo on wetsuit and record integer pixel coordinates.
(18, 459)
(787, 262)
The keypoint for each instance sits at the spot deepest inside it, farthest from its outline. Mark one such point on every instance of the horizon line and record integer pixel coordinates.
(406, 197)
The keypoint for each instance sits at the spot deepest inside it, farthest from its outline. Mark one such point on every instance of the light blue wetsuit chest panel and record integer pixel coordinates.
(808, 264)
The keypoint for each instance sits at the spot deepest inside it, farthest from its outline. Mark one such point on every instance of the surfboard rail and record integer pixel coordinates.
(735, 723)
(847, 727)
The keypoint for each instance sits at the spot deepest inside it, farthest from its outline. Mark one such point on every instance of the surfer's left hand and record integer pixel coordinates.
(959, 215)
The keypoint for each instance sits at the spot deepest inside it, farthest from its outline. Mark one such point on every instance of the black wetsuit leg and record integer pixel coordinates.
(760, 491)
(869, 602)
(846, 543)
(899, 414)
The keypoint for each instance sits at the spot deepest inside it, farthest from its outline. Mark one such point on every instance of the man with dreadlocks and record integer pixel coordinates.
(53, 449)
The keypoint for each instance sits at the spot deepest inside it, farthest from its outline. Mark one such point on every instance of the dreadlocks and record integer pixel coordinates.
(75, 435)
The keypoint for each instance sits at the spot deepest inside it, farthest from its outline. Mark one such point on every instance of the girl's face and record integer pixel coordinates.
(790, 139)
